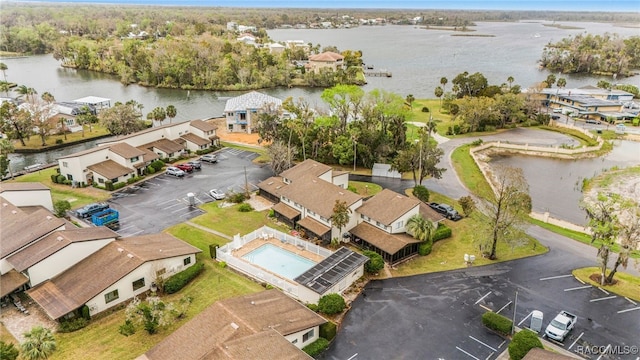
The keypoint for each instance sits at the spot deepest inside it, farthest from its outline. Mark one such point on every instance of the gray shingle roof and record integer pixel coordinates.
(252, 100)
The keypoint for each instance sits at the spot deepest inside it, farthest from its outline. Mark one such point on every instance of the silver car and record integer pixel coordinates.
(217, 194)
(172, 170)
(210, 158)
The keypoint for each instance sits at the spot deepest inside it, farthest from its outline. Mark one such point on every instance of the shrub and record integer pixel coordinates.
(157, 165)
(328, 330)
(352, 189)
(477, 142)
(85, 312)
(424, 248)
(421, 192)
(68, 326)
(179, 280)
(222, 264)
(59, 141)
(60, 179)
(212, 250)
(442, 232)
(244, 207)
(375, 263)
(108, 185)
(497, 322)
(54, 178)
(331, 304)
(522, 342)
(150, 170)
(425, 109)
(313, 307)
(60, 207)
(8, 351)
(236, 197)
(128, 328)
(316, 347)
(119, 185)
(272, 213)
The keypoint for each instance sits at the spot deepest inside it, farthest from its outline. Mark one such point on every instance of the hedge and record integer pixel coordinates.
(375, 263)
(442, 232)
(179, 280)
(421, 192)
(316, 347)
(331, 304)
(68, 326)
(328, 330)
(522, 342)
(497, 322)
(424, 248)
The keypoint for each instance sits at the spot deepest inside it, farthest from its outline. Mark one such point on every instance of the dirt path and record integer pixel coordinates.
(251, 139)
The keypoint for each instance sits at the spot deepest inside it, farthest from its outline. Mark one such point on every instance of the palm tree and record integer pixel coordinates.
(420, 228)
(27, 92)
(3, 68)
(171, 112)
(562, 82)
(510, 80)
(158, 114)
(4, 86)
(439, 92)
(39, 343)
(443, 82)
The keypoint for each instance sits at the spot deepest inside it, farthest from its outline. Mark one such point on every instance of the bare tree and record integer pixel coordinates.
(629, 236)
(281, 156)
(508, 208)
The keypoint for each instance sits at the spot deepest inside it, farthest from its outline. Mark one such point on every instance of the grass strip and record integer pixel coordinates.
(626, 285)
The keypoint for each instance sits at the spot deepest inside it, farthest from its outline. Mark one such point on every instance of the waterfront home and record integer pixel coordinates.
(241, 112)
(589, 102)
(127, 156)
(264, 325)
(325, 60)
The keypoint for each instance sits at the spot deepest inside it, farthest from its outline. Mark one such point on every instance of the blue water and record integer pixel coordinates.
(559, 5)
(279, 261)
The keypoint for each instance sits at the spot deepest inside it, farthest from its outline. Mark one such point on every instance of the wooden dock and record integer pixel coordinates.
(381, 73)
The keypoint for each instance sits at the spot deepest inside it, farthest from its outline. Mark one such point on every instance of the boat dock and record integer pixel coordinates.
(382, 73)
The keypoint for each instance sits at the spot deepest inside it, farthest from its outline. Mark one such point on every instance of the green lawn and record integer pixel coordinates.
(626, 285)
(230, 221)
(365, 188)
(262, 159)
(77, 197)
(101, 340)
(469, 173)
(35, 142)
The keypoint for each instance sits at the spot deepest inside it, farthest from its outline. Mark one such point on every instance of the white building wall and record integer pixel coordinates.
(328, 176)
(29, 198)
(341, 180)
(5, 267)
(77, 166)
(299, 335)
(125, 285)
(403, 219)
(353, 221)
(64, 259)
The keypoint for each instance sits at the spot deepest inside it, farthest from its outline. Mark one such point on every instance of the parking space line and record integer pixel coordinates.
(490, 347)
(467, 353)
(502, 308)
(555, 277)
(175, 211)
(526, 317)
(627, 310)
(631, 301)
(135, 233)
(166, 202)
(603, 290)
(170, 206)
(482, 298)
(580, 280)
(502, 343)
(606, 351)
(576, 341)
(486, 308)
(353, 356)
(126, 227)
(578, 288)
(490, 355)
(604, 298)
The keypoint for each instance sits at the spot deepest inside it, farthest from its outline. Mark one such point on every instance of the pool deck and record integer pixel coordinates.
(247, 248)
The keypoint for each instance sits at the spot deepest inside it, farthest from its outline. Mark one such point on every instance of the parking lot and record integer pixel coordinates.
(161, 201)
(438, 316)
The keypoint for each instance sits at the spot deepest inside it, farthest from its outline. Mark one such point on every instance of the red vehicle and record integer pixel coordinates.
(185, 167)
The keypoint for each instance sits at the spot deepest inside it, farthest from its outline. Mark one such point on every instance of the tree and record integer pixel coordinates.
(562, 82)
(340, 216)
(375, 263)
(15, 121)
(153, 313)
(629, 235)
(8, 351)
(510, 80)
(159, 114)
(410, 99)
(3, 68)
(331, 304)
(421, 192)
(86, 117)
(39, 343)
(5, 87)
(421, 159)
(6, 148)
(508, 207)
(420, 228)
(438, 93)
(344, 101)
(467, 204)
(551, 79)
(281, 156)
(61, 207)
(522, 342)
(171, 112)
(443, 82)
(122, 119)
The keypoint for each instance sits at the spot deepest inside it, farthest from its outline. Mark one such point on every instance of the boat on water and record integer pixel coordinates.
(536, 35)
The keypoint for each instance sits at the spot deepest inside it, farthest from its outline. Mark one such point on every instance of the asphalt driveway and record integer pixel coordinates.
(160, 202)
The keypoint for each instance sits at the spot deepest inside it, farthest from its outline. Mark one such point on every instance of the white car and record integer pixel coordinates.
(172, 170)
(217, 194)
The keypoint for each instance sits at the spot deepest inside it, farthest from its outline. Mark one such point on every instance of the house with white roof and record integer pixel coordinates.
(241, 112)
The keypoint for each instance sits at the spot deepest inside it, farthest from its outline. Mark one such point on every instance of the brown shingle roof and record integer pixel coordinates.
(165, 145)
(125, 150)
(56, 241)
(148, 155)
(387, 206)
(228, 321)
(307, 167)
(88, 278)
(542, 354)
(285, 210)
(203, 125)
(21, 186)
(265, 345)
(191, 137)
(272, 185)
(110, 169)
(327, 56)
(314, 226)
(389, 243)
(428, 213)
(318, 195)
(20, 229)
(11, 281)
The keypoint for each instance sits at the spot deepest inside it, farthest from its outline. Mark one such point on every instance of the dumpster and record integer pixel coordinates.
(536, 320)
(192, 199)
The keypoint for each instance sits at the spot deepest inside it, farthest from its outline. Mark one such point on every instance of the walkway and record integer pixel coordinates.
(203, 228)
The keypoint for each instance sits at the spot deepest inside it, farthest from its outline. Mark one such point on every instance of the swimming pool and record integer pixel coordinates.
(279, 261)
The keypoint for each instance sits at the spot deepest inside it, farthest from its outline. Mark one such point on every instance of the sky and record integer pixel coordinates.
(559, 5)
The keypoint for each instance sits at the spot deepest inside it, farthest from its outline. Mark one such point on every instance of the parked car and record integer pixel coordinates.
(185, 167)
(91, 209)
(210, 158)
(592, 121)
(555, 117)
(561, 325)
(172, 170)
(447, 210)
(557, 110)
(217, 194)
(196, 164)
